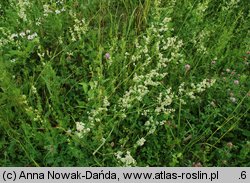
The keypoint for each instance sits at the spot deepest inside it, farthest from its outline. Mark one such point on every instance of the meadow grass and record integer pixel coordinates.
(124, 83)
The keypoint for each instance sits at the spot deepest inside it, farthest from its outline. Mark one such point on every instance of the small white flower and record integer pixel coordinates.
(80, 126)
(128, 159)
(68, 132)
(118, 154)
(13, 60)
(106, 102)
(141, 142)
(147, 123)
(123, 115)
(57, 12)
(22, 34)
(13, 36)
(166, 20)
(33, 89)
(38, 21)
(32, 36)
(152, 130)
(233, 99)
(103, 140)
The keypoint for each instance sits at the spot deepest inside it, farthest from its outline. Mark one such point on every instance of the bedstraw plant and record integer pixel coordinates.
(124, 83)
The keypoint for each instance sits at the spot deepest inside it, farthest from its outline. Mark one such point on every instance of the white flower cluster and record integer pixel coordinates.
(201, 8)
(164, 101)
(23, 4)
(138, 54)
(95, 114)
(37, 114)
(141, 142)
(206, 83)
(80, 27)
(60, 11)
(175, 45)
(195, 88)
(154, 76)
(149, 77)
(181, 88)
(135, 93)
(127, 160)
(230, 4)
(34, 114)
(106, 102)
(151, 125)
(32, 36)
(171, 41)
(81, 129)
(164, 43)
(33, 89)
(23, 34)
(200, 40)
(47, 9)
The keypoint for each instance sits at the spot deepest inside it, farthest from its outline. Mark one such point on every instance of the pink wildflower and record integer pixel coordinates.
(107, 56)
(236, 82)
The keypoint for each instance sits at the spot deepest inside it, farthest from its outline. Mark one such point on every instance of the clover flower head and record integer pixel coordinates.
(187, 67)
(236, 82)
(107, 56)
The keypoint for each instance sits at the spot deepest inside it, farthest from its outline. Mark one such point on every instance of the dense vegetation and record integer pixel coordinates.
(124, 83)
